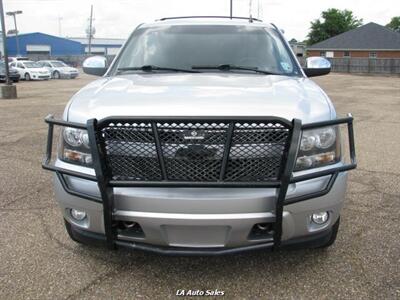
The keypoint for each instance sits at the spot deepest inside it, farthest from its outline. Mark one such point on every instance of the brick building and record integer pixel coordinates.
(370, 40)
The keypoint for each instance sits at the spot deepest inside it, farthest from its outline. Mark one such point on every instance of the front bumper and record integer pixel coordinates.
(204, 218)
(196, 214)
(40, 76)
(68, 75)
(313, 241)
(13, 77)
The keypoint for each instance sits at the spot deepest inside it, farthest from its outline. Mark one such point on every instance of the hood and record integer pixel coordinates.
(67, 69)
(209, 94)
(41, 70)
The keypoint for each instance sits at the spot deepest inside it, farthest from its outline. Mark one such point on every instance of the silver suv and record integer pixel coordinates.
(203, 136)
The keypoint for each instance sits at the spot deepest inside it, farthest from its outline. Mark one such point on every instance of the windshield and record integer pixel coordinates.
(188, 46)
(31, 64)
(58, 64)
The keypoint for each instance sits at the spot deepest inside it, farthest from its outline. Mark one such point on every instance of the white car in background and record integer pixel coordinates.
(17, 58)
(30, 70)
(59, 69)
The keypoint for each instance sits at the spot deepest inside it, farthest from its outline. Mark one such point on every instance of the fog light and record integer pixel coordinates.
(320, 217)
(78, 215)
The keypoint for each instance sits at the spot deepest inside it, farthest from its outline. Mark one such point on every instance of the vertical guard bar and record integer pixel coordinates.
(159, 151)
(350, 130)
(49, 146)
(106, 191)
(227, 150)
(285, 180)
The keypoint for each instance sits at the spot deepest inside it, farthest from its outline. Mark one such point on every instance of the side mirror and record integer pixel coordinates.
(95, 65)
(317, 66)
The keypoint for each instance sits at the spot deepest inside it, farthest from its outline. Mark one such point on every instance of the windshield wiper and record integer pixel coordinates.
(152, 68)
(228, 67)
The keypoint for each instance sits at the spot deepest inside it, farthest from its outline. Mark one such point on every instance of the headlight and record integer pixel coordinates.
(76, 137)
(75, 146)
(318, 147)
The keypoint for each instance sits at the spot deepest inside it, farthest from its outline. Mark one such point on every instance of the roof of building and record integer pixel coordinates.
(40, 34)
(98, 41)
(370, 36)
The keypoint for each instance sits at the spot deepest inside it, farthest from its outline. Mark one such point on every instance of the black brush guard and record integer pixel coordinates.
(195, 152)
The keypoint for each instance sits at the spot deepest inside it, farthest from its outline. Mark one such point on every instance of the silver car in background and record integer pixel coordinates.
(204, 136)
(59, 69)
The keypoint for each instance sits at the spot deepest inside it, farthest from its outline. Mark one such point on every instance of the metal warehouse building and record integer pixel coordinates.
(104, 46)
(43, 44)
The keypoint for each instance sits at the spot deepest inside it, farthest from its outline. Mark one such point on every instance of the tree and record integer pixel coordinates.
(334, 22)
(394, 24)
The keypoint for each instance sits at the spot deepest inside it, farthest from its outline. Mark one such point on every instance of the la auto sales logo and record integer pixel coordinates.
(205, 293)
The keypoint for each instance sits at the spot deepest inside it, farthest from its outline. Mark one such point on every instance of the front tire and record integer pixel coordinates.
(87, 238)
(332, 239)
(70, 232)
(27, 77)
(56, 75)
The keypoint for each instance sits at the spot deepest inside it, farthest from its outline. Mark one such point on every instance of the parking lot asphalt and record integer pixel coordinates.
(39, 261)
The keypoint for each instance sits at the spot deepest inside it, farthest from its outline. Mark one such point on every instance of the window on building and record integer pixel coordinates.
(112, 50)
(346, 54)
(322, 53)
(330, 54)
(373, 55)
(96, 50)
(38, 49)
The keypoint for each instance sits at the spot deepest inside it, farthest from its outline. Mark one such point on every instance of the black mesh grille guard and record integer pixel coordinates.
(194, 151)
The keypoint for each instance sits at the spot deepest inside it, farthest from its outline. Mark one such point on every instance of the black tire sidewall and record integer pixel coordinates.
(27, 77)
(334, 232)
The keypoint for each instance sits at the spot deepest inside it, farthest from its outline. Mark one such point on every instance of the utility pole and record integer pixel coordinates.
(250, 8)
(4, 37)
(13, 14)
(90, 29)
(59, 25)
(231, 8)
(8, 91)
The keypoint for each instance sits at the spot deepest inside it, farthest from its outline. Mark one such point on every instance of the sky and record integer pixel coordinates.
(117, 18)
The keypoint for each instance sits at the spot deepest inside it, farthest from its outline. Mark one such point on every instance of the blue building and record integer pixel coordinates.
(43, 44)
(38, 43)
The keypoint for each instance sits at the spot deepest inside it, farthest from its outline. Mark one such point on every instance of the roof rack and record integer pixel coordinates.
(210, 17)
